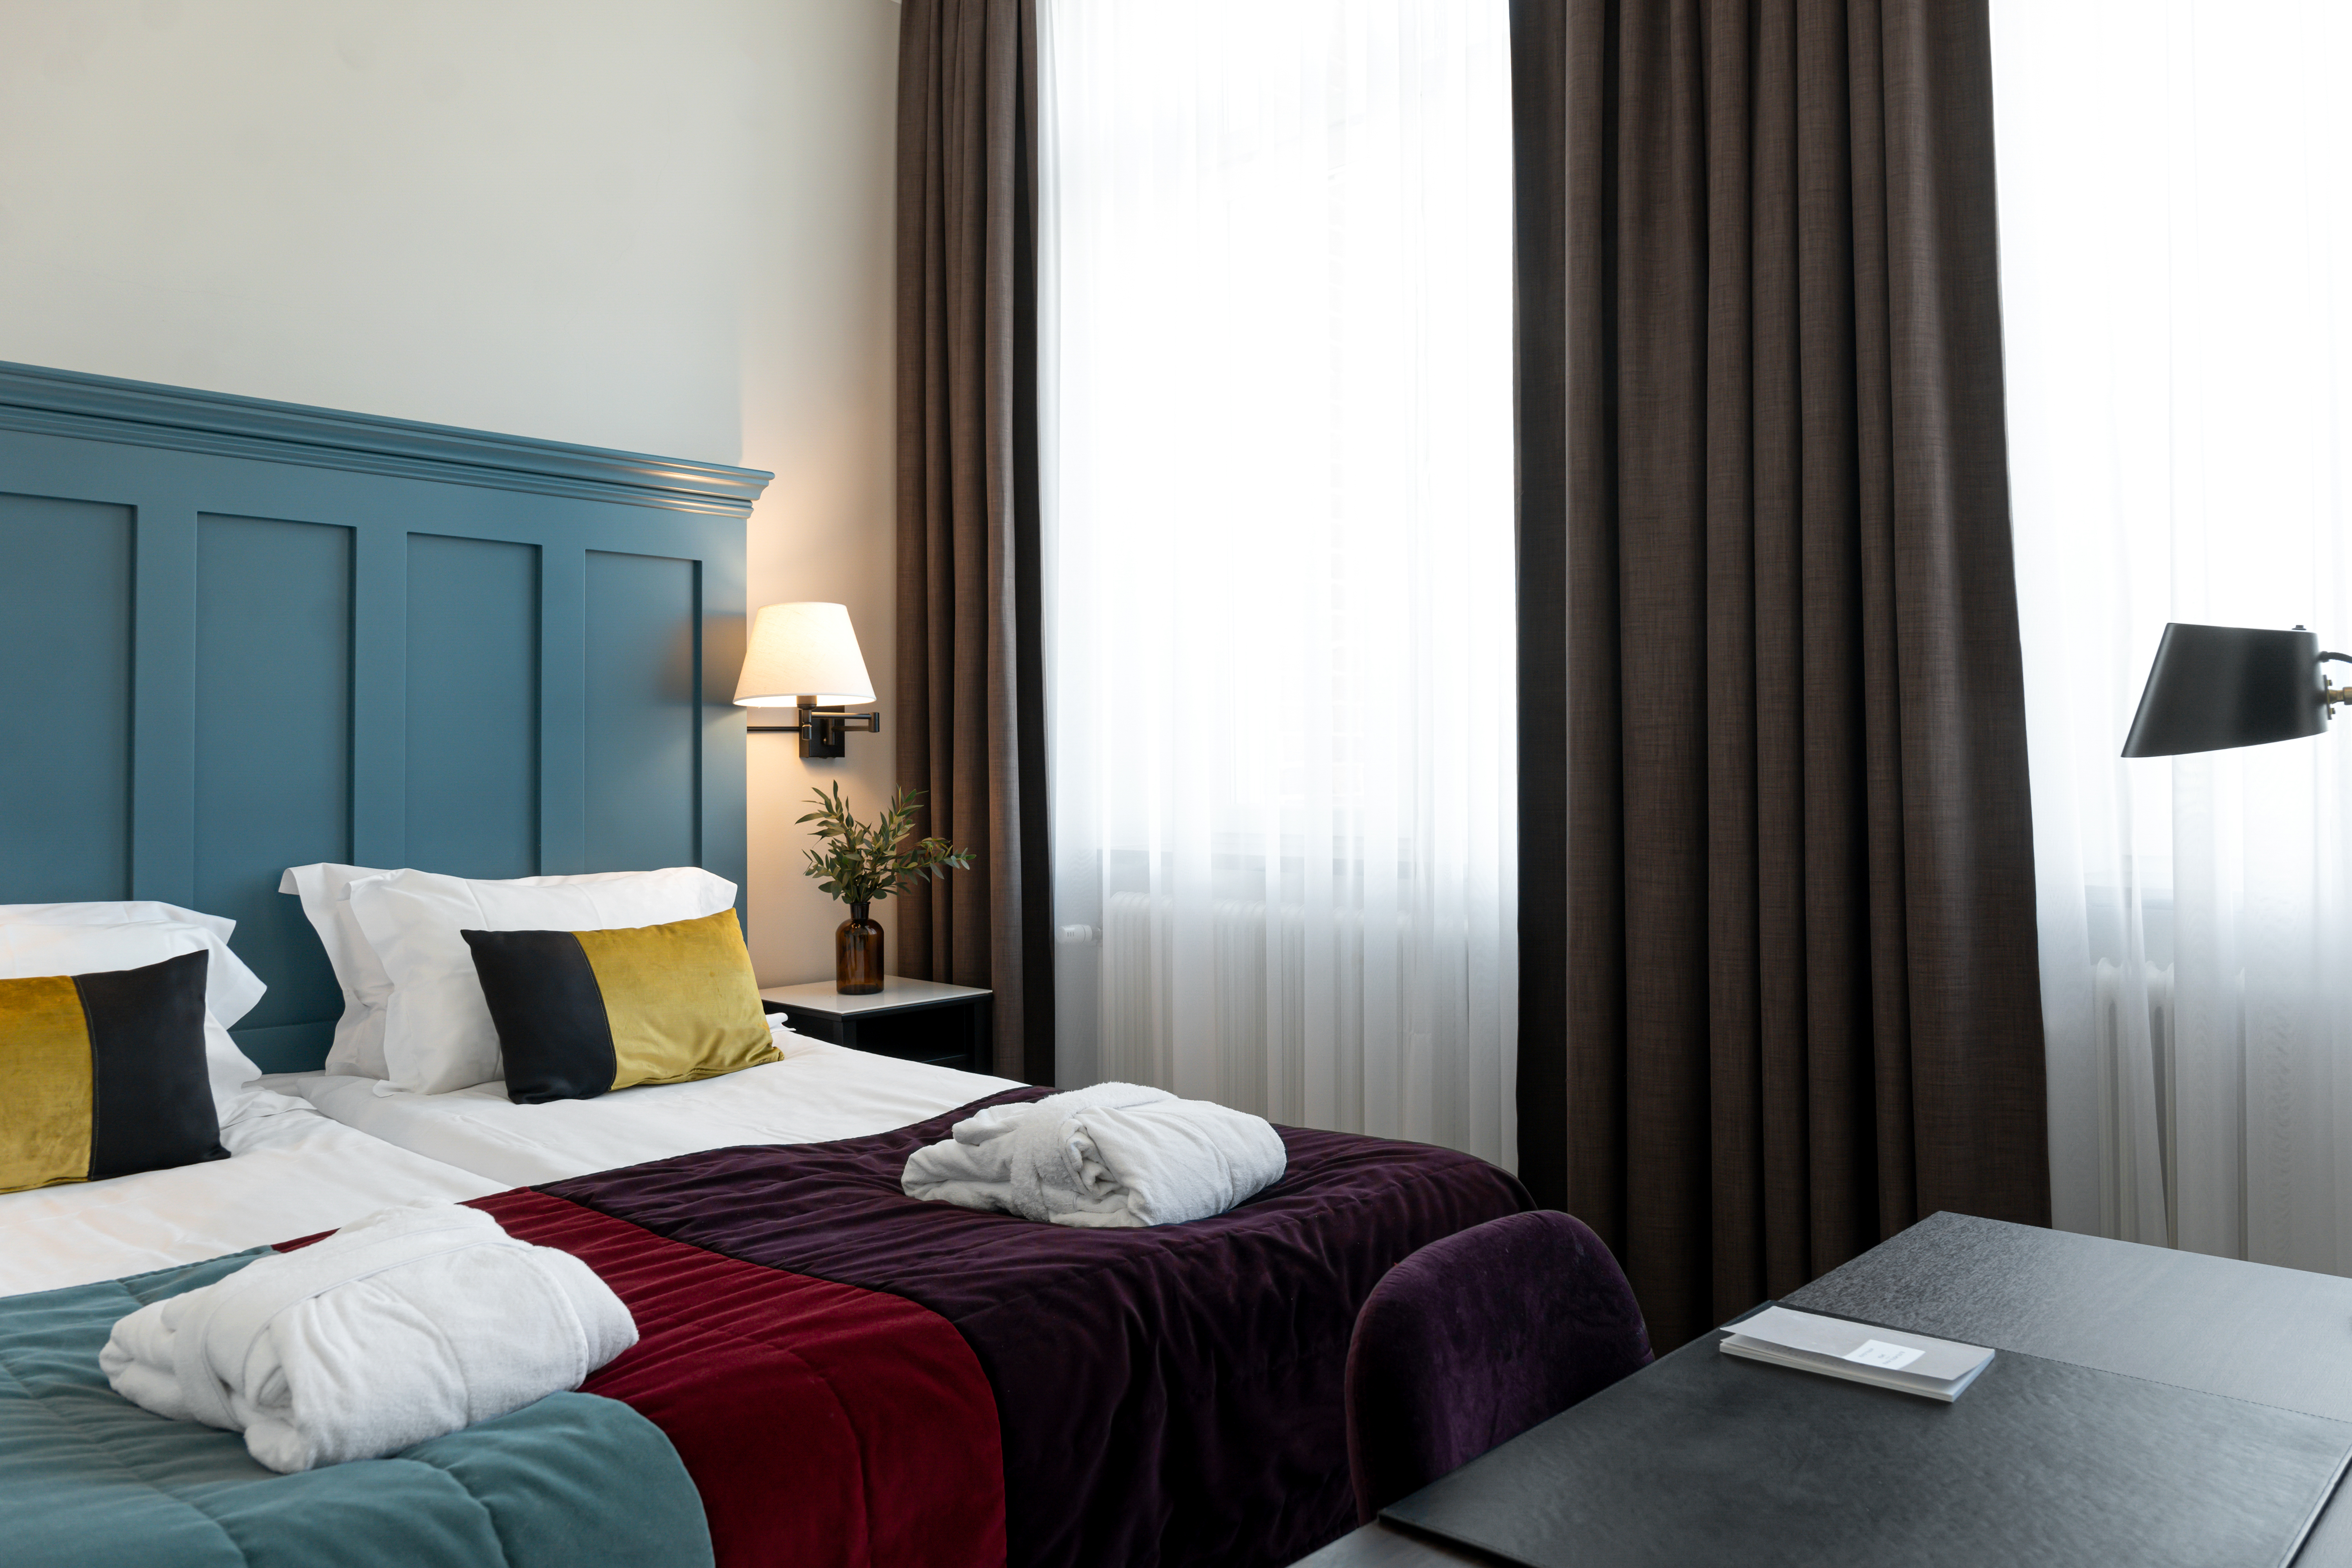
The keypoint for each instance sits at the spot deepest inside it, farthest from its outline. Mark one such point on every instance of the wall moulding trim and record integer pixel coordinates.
(42, 401)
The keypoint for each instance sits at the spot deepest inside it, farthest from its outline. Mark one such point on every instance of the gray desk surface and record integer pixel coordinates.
(2276, 1336)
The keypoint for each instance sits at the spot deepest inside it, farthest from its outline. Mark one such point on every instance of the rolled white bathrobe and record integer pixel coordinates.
(1112, 1155)
(410, 1323)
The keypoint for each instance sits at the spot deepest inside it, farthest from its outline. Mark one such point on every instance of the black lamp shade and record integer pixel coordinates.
(2214, 688)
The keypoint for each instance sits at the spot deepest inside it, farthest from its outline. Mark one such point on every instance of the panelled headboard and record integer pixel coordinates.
(239, 636)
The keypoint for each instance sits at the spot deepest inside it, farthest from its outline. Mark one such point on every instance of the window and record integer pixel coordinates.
(1274, 277)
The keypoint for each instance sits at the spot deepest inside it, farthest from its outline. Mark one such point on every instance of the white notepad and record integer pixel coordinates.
(1860, 1352)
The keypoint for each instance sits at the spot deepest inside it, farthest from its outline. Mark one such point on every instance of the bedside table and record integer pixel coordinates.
(914, 1020)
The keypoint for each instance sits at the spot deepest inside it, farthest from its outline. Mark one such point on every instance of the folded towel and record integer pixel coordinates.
(1116, 1154)
(409, 1323)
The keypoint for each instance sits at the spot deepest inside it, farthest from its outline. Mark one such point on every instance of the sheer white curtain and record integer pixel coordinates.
(1275, 282)
(2176, 280)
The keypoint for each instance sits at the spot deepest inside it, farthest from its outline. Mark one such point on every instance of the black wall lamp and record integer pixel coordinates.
(2215, 687)
(805, 657)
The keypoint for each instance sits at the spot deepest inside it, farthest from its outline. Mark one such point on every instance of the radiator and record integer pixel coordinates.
(1254, 1021)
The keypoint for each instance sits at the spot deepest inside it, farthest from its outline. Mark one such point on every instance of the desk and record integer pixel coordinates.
(2211, 1324)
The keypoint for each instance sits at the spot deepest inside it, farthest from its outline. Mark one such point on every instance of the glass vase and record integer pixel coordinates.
(857, 953)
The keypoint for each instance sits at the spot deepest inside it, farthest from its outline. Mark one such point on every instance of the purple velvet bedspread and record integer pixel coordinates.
(1170, 1396)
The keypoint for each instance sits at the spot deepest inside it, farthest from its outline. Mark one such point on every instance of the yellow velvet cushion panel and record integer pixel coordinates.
(45, 1084)
(681, 999)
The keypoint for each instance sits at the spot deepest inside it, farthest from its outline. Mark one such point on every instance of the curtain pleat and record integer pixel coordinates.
(1540, 132)
(970, 691)
(1800, 996)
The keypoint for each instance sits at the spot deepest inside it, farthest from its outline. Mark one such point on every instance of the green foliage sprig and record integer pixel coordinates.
(861, 865)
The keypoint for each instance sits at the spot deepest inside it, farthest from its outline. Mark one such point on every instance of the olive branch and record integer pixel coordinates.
(862, 864)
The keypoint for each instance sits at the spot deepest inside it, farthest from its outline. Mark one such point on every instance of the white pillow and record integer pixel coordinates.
(437, 1034)
(115, 912)
(325, 893)
(92, 947)
(230, 988)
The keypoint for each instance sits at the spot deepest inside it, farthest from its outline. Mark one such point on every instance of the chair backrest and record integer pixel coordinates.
(1473, 1340)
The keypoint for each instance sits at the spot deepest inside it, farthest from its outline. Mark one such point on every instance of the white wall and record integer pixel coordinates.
(661, 226)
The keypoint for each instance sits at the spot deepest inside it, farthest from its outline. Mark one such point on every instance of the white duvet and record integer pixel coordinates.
(818, 1092)
(290, 1174)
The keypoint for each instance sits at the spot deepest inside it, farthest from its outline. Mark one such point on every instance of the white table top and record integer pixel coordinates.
(898, 991)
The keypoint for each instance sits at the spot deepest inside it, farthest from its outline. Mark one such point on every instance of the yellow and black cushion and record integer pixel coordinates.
(102, 1075)
(581, 1012)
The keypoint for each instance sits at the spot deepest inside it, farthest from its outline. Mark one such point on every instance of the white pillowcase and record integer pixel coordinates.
(230, 988)
(325, 891)
(86, 942)
(437, 1034)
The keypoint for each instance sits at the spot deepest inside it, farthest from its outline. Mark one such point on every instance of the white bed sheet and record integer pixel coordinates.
(818, 1092)
(291, 1173)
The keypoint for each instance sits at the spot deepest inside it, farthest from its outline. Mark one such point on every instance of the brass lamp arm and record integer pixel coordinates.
(2332, 695)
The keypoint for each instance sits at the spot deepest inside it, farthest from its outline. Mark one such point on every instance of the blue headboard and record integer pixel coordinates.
(239, 636)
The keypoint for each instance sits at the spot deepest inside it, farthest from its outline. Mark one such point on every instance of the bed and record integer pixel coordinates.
(88, 1477)
(992, 1389)
(245, 636)
(1170, 1396)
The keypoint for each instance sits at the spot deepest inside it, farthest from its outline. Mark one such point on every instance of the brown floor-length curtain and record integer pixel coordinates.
(1765, 514)
(970, 691)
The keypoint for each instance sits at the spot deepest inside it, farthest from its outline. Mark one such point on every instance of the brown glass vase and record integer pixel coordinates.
(857, 953)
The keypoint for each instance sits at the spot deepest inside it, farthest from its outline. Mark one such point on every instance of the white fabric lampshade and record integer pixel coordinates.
(805, 651)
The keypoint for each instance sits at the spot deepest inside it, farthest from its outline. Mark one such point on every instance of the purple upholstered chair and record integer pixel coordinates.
(1473, 1340)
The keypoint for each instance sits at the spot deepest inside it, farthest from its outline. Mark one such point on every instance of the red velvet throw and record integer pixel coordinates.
(822, 1423)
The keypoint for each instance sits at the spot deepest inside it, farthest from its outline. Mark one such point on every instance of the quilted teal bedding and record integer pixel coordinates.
(88, 1480)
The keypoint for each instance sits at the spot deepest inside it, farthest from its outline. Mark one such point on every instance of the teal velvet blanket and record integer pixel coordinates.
(87, 1478)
